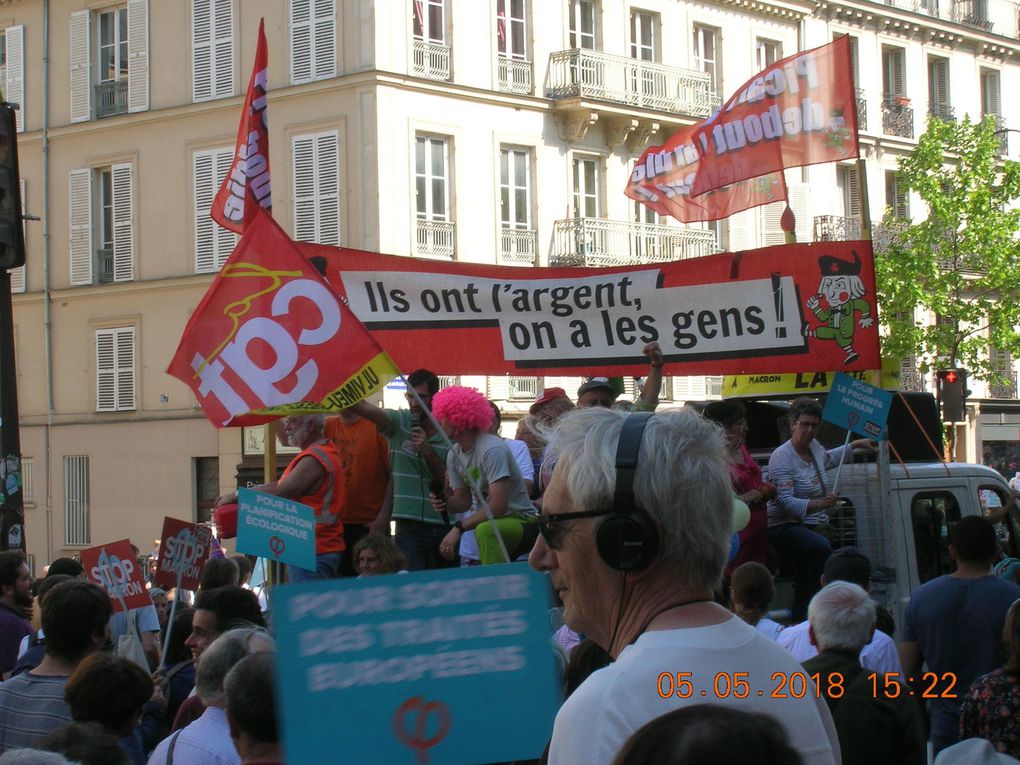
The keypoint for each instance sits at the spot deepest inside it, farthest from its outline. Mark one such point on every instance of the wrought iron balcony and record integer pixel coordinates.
(911, 379)
(434, 239)
(1004, 388)
(599, 242)
(431, 60)
(1002, 133)
(523, 388)
(836, 228)
(862, 110)
(104, 266)
(111, 98)
(897, 116)
(999, 16)
(944, 112)
(583, 73)
(518, 247)
(515, 76)
(884, 235)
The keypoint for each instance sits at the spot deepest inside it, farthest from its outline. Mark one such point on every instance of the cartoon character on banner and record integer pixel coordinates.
(837, 301)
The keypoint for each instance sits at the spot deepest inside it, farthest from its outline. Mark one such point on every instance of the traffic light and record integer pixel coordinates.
(12, 245)
(952, 389)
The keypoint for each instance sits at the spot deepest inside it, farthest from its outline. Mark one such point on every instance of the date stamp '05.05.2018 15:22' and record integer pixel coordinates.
(798, 685)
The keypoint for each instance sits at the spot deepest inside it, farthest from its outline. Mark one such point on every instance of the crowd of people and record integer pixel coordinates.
(671, 652)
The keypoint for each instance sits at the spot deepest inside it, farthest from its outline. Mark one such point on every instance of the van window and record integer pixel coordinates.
(932, 513)
(992, 499)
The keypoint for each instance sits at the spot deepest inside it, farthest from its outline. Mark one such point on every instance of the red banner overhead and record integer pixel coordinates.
(778, 309)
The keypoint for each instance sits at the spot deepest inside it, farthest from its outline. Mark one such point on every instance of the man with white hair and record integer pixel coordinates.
(635, 531)
(314, 477)
(207, 740)
(876, 719)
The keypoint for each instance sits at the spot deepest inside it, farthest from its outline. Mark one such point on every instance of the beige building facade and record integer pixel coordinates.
(498, 131)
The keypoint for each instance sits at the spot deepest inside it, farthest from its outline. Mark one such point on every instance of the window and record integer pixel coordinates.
(854, 65)
(849, 194)
(101, 239)
(109, 56)
(582, 24)
(515, 188)
(312, 40)
(938, 88)
(587, 203)
(893, 73)
(767, 52)
(28, 480)
(932, 515)
(430, 21)
(115, 369)
(12, 70)
(317, 188)
(213, 243)
(511, 29)
(212, 49)
(431, 175)
(991, 103)
(706, 56)
(896, 200)
(207, 487)
(642, 36)
(76, 501)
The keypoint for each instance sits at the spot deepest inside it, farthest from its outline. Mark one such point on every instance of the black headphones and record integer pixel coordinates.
(627, 540)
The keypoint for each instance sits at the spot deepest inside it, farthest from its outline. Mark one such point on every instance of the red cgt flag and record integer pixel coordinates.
(799, 111)
(246, 188)
(669, 193)
(271, 338)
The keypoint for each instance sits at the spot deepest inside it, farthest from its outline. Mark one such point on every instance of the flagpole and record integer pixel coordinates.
(475, 489)
(268, 476)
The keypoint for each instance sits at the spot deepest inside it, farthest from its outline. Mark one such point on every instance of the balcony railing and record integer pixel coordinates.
(583, 73)
(434, 239)
(944, 112)
(518, 247)
(431, 60)
(911, 380)
(111, 98)
(999, 16)
(515, 76)
(836, 228)
(1006, 388)
(523, 388)
(598, 242)
(862, 110)
(897, 117)
(104, 266)
(1002, 133)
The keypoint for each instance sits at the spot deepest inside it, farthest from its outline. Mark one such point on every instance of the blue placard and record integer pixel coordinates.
(452, 666)
(275, 528)
(857, 406)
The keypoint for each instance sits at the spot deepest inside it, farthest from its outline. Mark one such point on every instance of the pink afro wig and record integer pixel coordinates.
(464, 408)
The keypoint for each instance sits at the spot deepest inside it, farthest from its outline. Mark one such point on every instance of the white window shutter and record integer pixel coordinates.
(800, 204)
(123, 224)
(138, 55)
(14, 87)
(201, 50)
(300, 41)
(324, 41)
(213, 243)
(223, 58)
(304, 188)
(770, 229)
(497, 387)
(81, 67)
(106, 375)
(740, 230)
(125, 382)
(18, 274)
(327, 187)
(80, 215)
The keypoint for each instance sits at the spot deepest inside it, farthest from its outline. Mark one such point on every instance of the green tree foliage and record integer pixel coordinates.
(963, 261)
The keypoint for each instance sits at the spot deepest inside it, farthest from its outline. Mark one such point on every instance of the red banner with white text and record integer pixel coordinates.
(271, 338)
(777, 309)
(246, 187)
(799, 111)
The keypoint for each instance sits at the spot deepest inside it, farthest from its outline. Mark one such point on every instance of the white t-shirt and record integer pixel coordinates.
(596, 721)
(879, 655)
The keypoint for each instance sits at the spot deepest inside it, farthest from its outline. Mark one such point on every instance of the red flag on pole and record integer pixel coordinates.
(799, 111)
(246, 187)
(669, 193)
(271, 338)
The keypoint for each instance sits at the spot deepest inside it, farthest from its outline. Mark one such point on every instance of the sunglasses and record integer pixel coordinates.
(553, 532)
